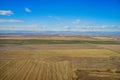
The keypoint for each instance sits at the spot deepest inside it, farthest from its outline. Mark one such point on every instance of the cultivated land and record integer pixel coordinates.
(59, 57)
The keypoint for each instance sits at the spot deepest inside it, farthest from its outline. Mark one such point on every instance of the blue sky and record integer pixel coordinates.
(60, 15)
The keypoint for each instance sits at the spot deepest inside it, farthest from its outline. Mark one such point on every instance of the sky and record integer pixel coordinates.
(60, 15)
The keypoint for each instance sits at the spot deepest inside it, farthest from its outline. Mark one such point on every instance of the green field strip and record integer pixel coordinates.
(35, 41)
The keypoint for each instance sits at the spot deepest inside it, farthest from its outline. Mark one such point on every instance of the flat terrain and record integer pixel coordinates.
(79, 58)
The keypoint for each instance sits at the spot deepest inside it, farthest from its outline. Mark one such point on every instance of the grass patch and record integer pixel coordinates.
(35, 41)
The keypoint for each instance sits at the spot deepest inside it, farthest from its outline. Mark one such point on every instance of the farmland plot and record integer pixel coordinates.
(20, 63)
(35, 70)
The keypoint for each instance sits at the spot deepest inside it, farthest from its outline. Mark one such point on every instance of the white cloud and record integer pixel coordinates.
(10, 20)
(76, 21)
(28, 10)
(54, 17)
(22, 27)
(50, 16)
(66, 27)
(6, 12)
(96, 28)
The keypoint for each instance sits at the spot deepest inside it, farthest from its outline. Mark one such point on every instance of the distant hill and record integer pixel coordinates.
(59, 32)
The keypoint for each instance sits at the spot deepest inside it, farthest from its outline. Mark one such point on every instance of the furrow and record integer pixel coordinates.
(6, 70)
(15, 69)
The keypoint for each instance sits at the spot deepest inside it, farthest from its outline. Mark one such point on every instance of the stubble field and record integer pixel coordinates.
(63, 61)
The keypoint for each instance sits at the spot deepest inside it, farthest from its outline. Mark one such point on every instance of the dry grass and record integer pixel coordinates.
(35, 70)
(46, 37)
(37, 54)
(103, 38)
(59, 62)
(115, 48)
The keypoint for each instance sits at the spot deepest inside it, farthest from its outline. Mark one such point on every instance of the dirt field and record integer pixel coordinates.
(59, 61)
